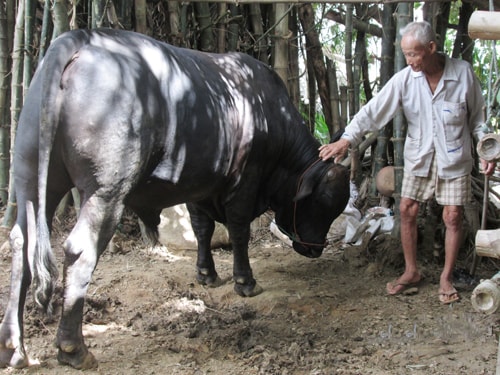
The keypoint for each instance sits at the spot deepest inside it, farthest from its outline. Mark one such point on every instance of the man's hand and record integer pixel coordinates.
(336, 150)
(488, 167)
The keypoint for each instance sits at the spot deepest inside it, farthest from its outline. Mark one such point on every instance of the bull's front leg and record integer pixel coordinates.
(203, 228)
(244, 282)
(12, 352)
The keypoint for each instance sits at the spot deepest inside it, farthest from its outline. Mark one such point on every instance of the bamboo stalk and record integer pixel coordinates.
(488, 243)
(15, 104)
(484, 25)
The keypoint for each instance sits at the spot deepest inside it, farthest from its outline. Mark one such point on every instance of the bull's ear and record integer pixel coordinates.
(309, 184)
(305, 189)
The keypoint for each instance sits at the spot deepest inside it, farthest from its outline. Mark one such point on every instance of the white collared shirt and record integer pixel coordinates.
(443, 122)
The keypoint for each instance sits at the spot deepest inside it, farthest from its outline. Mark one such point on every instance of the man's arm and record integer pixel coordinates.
(372, 116)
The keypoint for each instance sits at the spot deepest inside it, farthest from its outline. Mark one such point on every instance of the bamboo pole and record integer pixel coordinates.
(484, 25)
(404, 16)
(280, 63)
(4, 112)
(488, 243)
(15, 104)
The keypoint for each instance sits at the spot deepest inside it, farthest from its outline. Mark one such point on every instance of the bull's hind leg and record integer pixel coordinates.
(86, 242)
(12, 352)
(22, 242)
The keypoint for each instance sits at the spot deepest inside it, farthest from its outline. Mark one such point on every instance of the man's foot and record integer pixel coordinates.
(448, 296)
(398, 286)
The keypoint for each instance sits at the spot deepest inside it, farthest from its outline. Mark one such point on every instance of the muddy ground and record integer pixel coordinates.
(145, 314)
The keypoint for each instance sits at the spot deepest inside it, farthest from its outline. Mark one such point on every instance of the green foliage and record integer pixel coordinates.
(321, 129)
(451, 33)
(487, 67)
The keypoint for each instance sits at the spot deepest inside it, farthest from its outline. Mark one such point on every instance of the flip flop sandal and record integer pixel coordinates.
(449, 297)
(400, 286)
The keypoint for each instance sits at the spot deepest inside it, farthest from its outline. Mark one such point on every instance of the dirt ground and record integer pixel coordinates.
(145, 314)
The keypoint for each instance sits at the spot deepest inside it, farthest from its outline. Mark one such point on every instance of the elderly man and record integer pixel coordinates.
(443, 104)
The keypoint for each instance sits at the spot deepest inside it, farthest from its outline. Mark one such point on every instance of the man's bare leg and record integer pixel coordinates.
(409, 211)
(453, 219)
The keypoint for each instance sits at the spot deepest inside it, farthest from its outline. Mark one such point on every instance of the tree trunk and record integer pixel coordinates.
(141, 24)
(112, 16)
(315, 56)
(207, 41)
(4, 97)
(437, 14)
(221, 28)
(98, 11)
(29, 12)
(44, 34)
(386, 72)
(464, 46)
(338, 123)
(175, 37)
(359, 53)
(260, 47)
(17, 69)
(344, 105)
(280, 63)
(234, 28)
(60, 17)
(404, 16)
(348, 60)
(357, 24)
(311, 95)
(123, 10)
(15, 102)
(293, 64)
(10, 12)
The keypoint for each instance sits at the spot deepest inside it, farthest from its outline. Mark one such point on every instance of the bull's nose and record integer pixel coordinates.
(310, 252)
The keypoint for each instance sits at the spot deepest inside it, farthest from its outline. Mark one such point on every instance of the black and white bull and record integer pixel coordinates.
(130, 121)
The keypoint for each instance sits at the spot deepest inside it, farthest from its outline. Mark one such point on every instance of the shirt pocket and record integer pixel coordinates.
(454, 113)
(455, 150)
(454, 120)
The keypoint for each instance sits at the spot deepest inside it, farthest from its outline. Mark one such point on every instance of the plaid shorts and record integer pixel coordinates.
(448, 192)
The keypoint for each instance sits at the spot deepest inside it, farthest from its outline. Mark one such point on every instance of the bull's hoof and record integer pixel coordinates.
(15, 358)
(208, 278)
(250, 289)
(80, 359)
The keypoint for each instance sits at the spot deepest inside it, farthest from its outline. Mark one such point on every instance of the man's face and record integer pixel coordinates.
(416, 54)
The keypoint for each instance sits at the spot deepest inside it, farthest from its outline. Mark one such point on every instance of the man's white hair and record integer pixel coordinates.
(421, 31)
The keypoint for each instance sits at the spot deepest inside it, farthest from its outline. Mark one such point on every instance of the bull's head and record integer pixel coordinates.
(321, 196)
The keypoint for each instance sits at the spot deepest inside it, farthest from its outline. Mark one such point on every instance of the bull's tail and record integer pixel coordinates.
(44, 267)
